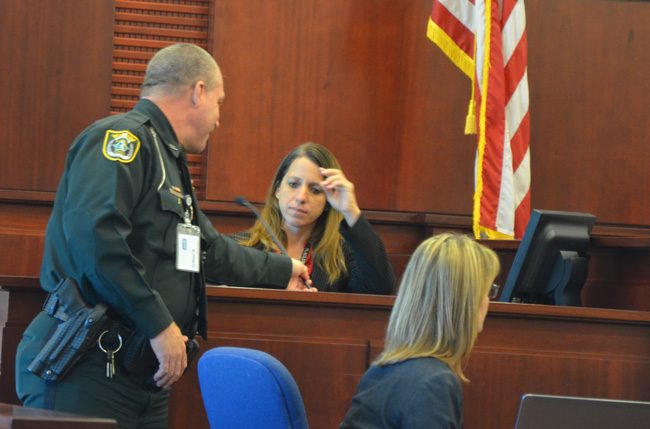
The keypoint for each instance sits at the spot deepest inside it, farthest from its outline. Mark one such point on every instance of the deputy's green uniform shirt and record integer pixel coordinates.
(113, 227)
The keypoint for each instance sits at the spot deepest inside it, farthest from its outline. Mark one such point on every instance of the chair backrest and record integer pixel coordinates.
(568, 412)
(245, 388)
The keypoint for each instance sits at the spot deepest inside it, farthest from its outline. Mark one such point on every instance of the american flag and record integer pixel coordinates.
(486, 39)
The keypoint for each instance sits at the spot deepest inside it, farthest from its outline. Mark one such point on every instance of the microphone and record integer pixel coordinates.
(242, 201)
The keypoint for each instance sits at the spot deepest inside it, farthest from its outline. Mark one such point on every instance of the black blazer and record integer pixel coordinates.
(369, 270)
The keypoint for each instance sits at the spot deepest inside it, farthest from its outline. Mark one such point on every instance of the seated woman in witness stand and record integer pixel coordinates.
(439, 310)
(312, 208)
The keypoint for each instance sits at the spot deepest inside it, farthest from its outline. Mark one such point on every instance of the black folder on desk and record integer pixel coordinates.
(567, 412)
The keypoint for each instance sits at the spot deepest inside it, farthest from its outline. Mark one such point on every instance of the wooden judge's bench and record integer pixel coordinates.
(327, 341)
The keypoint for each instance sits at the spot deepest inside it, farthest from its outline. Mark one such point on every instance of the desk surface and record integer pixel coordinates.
(17, 417)
(226, 293)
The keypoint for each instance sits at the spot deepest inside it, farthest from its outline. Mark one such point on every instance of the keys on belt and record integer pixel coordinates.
(110, 350)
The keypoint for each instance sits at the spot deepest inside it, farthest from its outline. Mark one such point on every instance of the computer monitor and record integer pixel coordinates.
(568, 412)
(551, 264)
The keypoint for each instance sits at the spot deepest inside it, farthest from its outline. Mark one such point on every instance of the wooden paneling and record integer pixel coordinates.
(25, 258)
(359, 77)
(562, 351)
(618, 278)
(618, 273)
(587, 67)
(54, 81)
(523, 348)
(141, 29)
(328, 340)
(363, 79)
(22, 234)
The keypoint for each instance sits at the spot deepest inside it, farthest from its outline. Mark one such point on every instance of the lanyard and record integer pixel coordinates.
(307, 258)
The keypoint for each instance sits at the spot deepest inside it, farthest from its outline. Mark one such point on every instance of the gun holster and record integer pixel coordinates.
(80, 325)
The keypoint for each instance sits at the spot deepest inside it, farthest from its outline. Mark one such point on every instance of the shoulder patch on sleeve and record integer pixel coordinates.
(121, 146)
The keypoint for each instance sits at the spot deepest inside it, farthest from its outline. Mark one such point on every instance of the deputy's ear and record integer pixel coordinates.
(195, 96)
(197, 90)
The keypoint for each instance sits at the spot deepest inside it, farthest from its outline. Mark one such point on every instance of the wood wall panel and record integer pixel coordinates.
(354, 76)
(54, 81)
(536, 351)
(587, 66)
(297, 71)
(143, 27)
(22, 235)
(436, 162)
(613, 270)
(23, 253)
(499, 378)
(618, 272)
(358, 76)
(362, 78)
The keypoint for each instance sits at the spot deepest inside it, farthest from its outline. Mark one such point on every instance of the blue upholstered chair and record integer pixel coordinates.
(249, 389)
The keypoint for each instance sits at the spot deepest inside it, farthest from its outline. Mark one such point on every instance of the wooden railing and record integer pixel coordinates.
(327, 341)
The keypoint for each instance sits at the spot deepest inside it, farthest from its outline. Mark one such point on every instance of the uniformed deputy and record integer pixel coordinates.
(127, 228)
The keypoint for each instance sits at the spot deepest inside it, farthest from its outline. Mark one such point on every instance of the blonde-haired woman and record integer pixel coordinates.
(440, 309)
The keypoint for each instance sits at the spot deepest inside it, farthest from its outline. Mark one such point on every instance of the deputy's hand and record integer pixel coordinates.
(169, 348)
(300, 280)
(340, 194)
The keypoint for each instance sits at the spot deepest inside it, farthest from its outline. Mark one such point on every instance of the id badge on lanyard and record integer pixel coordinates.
(188, 243)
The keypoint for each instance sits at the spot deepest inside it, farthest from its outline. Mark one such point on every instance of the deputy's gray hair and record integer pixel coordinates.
(176, 67)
